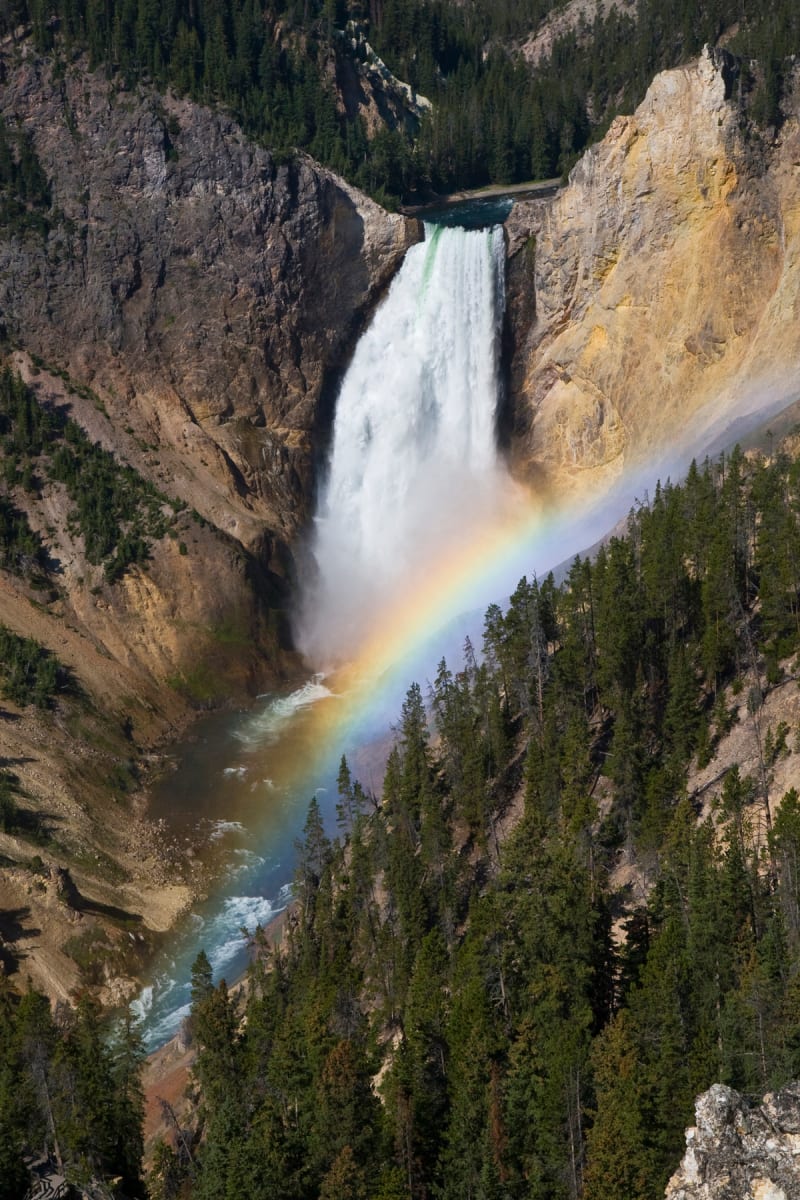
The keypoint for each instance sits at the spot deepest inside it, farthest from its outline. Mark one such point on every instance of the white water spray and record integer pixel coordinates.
(414, 460)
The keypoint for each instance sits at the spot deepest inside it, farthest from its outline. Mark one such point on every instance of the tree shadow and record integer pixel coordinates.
(68, 683)
(111, 912)
(621, 901)
(37, 827)
(12, 928)
(53, 565)
(10, 960)
(32, 824)
(13, 931)
(85, 904)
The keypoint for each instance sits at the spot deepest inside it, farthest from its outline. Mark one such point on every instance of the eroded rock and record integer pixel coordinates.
(666, 283)
(739, 1151)
(190, 304)
(211, 292)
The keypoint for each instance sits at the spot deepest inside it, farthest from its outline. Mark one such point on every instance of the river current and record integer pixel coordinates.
(419, 527)
(413, 470)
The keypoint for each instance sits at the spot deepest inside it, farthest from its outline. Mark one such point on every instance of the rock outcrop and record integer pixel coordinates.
(203, 299)
(665, 277)
(368, 91)
(575, 17)
(210, 293)
(741, 1152)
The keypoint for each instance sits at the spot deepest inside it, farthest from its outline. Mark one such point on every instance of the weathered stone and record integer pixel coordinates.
(666, 280)
(210, 296)
(211, 291)
(739, 1151)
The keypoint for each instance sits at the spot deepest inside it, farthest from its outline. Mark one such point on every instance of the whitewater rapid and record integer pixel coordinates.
(414, 458)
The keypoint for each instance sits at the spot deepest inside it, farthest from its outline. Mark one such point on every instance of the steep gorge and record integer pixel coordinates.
(189, 302)
(207, 291)
(194, 302)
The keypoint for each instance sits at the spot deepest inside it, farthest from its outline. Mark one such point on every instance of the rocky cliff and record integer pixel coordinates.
(189, 302)
(664, 279)
(192, 303)
(740, 1151)
(208, 292)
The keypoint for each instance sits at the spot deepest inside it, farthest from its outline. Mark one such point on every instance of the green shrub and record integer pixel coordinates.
(117, 512)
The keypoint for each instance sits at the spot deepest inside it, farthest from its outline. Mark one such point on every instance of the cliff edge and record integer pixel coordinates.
(658, 291)
(180, 304)
(739, 1151)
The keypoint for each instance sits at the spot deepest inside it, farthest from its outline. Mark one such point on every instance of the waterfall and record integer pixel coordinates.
(413, 461)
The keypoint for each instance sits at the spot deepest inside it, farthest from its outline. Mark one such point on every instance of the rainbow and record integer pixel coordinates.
(291, 746)
(363, 697)
(295, 756)
(534, 534)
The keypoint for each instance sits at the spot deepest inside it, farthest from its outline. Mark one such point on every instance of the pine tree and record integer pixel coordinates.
(784, 846)
(313, 856)
(345, 1180)
(348, 1117)
(619, 1162)
(19, 1122)
(127, 1061)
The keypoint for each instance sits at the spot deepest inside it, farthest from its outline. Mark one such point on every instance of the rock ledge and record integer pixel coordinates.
(737, 1151)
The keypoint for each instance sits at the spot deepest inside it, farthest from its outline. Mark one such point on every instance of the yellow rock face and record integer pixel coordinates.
(666, 284)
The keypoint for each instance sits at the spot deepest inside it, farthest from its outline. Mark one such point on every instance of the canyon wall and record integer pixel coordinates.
(659, 288)
(203, 298)
(190, 302)
(209, 292)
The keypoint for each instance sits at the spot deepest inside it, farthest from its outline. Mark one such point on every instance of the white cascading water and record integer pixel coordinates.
(414, 458)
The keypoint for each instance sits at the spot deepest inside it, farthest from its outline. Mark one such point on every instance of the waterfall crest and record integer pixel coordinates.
(413, 461)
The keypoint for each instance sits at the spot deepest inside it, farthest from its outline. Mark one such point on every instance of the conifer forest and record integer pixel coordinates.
(273, 64)
(548, 1028)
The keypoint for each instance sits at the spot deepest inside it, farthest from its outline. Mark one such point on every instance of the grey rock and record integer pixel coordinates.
(741, 1151)
(204, 284)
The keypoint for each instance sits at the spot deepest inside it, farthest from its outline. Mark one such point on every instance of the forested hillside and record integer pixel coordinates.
(461, 1013)
(509, 976)
(65, 1087)
(277, 65)
(471, 1000)
(117, 513)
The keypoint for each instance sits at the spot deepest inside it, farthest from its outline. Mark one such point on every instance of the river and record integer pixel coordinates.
(419, 528)
(414, 487)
